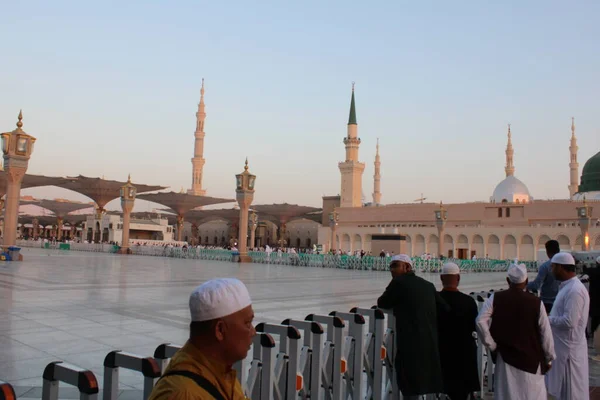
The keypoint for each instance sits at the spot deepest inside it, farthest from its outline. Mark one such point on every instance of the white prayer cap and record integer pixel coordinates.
(517, 273)
(598, 259)
(450, 269)
(402, 258)
(563, 258)
(218, 298)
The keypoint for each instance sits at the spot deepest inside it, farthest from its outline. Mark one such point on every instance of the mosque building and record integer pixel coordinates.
(513, 224)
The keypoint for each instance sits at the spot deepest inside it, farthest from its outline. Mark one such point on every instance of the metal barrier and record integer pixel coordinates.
(6, 391)
(259, 384)
(116, 359)
(353, 352)
(391, 391)
(334, 364)
(57, 371)
(374, 353)
(164, 353)
(310, 357)
(288, 380)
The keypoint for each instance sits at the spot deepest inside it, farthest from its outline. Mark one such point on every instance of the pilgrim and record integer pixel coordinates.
(221, 333)
(569, 377)
(519, 338)
(458, 349)
(414, 302)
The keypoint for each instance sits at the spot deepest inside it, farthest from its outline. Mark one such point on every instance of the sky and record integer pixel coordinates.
(111, 88)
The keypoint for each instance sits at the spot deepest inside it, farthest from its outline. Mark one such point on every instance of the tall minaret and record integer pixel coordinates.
(351, 169)
(510, 167)
(573, 165)
(377, 178)
(198, 160)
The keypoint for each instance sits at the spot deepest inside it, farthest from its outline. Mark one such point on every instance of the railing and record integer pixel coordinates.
(343, 261)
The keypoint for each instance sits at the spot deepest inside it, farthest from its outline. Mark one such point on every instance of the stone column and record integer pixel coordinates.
(253, 225)
(59, 228)
(36, 227)
(127, 207)
(14, 177)
(244, 195)
(180, 228)
(440, 222)
(243, 233)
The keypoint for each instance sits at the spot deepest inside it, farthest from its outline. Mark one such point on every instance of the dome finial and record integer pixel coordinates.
(572, 126)
(246, 165)
(20, 117)
(129, 178)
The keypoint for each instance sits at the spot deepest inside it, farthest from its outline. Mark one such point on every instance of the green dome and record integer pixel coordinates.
(590, 176)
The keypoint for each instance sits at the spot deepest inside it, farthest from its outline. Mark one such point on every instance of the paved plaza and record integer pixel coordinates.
(76, 306)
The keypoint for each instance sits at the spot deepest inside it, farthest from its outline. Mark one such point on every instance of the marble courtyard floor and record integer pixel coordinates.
(77, 307)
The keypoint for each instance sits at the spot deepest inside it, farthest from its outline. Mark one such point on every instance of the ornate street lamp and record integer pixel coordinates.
(17, 147)
(244, 195)
(128, 192)
(440, 221)
(585, 216)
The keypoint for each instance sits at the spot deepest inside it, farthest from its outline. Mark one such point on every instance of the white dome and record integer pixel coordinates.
(511, 190)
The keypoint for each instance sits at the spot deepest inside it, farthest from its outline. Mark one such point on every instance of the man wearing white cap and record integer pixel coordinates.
(458, 350)
(221, 333)
(519, 337)
(593, 272)
(569, 378)
(415, 302)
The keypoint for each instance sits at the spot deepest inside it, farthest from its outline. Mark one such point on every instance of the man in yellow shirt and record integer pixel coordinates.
(221, 334)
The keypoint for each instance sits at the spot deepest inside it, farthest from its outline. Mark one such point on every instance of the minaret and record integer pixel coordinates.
(351, 169)
(377, 178)
(198, 160)
(510, 167)
(573, 165)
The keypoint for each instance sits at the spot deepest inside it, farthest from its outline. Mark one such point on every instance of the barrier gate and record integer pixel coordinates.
(83, 379)
(117, 359)
(6, 391)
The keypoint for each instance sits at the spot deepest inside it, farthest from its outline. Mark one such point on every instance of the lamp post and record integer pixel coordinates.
(17, 147)
(253, 225)
(585, 216)
(128, 192)
(244, 195)
(440, 221)
(333, 221)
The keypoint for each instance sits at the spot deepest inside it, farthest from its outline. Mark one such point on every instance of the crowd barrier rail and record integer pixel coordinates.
(340, 261)
(343, 355)
(83, 379)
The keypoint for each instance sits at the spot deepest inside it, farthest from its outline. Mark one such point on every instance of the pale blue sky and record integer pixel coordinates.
(112, 87)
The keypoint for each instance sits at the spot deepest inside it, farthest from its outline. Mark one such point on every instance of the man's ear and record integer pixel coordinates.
(220, 329)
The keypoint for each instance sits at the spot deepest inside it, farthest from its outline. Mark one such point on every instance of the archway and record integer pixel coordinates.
(477, 247)
(433, 244)
(493, 247)
(527, 249)
(298, 242)
(97, 233)
(419, 245)
(409, 247)
(541, 245)
(105, 235)
(462, 249)
(448, 246)
(345, 242)
(308, 243)
(510, 248)
(357, 243)
(564, 242)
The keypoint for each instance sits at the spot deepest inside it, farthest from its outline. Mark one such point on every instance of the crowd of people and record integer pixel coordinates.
(538, 344)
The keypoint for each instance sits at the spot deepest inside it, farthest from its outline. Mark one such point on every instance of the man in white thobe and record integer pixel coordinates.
(569, 377)
(514, 326)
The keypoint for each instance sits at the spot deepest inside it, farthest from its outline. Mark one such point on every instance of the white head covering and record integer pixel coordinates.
(517, 273)
(598, 259)
(450, 269)
(563, 258)
(218, 298)
(403, 258)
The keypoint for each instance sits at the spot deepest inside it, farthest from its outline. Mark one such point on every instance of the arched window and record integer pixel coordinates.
(499, 212)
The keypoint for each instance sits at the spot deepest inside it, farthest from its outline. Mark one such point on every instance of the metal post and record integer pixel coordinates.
(313, 340)
(355, 348)
(57, 371)
(392, 391)
(289, 338)
(164, 353)
(116, 359)
(374, 350)
(332, 368)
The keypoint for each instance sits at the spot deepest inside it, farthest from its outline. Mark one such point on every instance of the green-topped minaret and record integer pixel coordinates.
(351, 169)
(352, 118)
